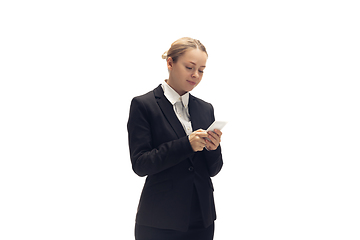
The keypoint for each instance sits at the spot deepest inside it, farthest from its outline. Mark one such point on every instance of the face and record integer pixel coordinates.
(187, 72)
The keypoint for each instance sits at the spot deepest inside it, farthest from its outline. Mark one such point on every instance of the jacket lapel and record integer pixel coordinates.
(194, 113)
(168, 111)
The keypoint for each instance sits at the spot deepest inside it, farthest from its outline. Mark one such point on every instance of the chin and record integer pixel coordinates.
(189, 89)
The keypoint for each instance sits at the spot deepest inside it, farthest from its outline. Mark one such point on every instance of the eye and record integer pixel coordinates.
(201, 71)
(189, 68)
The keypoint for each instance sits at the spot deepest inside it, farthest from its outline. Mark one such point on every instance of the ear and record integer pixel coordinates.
(170, 63)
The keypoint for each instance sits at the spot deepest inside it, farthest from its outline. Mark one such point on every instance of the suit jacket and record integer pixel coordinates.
(160, 149)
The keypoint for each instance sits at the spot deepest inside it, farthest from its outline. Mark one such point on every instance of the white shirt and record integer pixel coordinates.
(180, 105)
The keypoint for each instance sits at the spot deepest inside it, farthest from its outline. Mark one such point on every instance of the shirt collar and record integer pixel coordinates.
(173, 96)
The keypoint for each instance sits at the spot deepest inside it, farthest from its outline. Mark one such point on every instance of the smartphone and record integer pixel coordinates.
(216, 125)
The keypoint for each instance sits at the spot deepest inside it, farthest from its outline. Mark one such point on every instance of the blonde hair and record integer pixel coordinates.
(180, 46)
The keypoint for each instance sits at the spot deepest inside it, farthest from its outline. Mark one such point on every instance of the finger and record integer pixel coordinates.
(218, 132)
(202, 134)
(202, 141)
(202, 145)
(200, 130)
(213, 141)
(214, 136)
(213, 132)
(210, 145)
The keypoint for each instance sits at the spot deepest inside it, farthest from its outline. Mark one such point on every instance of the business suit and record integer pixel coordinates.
(160, 149)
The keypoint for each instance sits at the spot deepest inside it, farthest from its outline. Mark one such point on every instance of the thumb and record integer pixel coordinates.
(201, 133)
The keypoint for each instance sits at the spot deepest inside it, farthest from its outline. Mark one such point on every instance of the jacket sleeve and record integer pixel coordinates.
(145, 158)
(213, 158)
(214, 161)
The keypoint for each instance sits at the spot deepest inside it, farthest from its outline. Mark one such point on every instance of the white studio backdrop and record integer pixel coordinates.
(285, 74)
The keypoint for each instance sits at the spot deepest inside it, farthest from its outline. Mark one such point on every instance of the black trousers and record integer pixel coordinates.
(196, 230)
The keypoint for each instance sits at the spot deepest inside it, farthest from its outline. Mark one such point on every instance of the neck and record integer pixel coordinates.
(173, 86)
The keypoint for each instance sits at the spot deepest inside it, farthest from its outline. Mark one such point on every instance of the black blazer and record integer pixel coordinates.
(160, 149)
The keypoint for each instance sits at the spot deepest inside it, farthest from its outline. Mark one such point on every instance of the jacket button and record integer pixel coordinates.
(191, 169)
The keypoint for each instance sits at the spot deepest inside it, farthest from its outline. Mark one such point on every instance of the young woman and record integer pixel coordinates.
(168, 145)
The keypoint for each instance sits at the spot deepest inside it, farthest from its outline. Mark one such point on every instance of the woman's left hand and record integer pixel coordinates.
(215, 138)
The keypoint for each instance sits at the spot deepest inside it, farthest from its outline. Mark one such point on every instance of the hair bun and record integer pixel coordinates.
(164, 56)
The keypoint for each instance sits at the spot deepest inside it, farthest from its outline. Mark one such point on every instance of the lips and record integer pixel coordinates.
(191, 82)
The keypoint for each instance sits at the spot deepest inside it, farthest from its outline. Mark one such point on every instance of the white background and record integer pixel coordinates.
(285, 74)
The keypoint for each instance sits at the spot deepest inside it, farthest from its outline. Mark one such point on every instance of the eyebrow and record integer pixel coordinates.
(195, 64)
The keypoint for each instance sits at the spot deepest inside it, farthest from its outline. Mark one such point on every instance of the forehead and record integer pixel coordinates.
(195, 56)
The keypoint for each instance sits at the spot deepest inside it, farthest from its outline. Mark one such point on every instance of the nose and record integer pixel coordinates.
(195, 74)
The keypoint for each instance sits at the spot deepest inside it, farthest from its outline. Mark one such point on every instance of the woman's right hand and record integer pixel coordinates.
(197, 140)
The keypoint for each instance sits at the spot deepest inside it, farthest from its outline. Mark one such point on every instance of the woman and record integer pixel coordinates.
(168, 145)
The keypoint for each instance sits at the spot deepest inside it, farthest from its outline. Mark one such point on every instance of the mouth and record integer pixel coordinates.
(191, 82)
